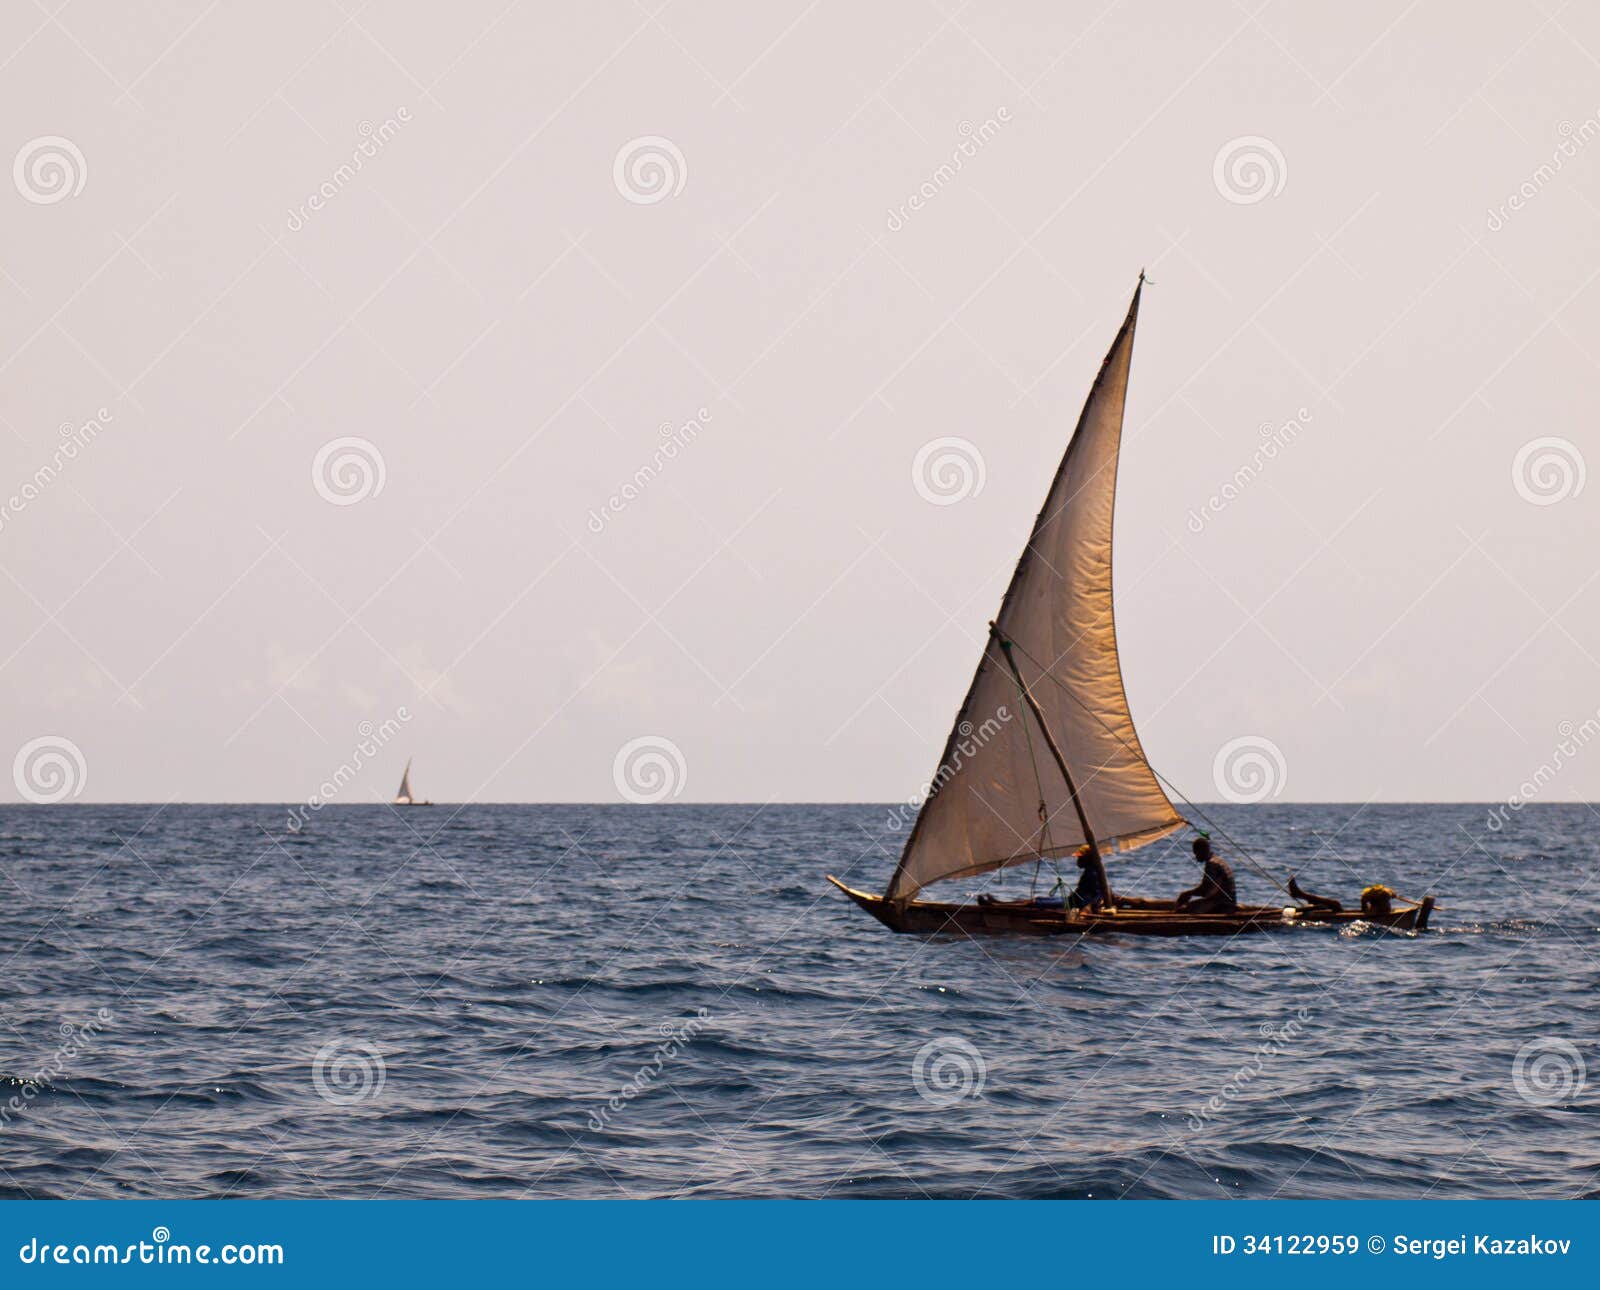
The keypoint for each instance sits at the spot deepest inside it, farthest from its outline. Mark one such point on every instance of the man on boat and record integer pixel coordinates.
(1215, 892)
(1093, 891)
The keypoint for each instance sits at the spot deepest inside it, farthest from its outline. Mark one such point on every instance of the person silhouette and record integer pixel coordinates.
(1214, 894)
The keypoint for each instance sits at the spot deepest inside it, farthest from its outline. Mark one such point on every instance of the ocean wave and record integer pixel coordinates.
(511, 1016)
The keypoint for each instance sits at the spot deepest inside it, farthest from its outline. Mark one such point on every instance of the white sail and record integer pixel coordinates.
(998, 796)
(402, 795)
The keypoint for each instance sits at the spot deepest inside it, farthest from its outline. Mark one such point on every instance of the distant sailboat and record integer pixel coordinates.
(403, 795)
(1043, 758)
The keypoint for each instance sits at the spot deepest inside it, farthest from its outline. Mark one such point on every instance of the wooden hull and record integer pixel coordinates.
(1132, 917)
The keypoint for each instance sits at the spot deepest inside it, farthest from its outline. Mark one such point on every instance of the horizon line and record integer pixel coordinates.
(891, 802)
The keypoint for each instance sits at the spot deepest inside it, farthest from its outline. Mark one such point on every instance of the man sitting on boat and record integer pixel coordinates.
(1093, 891)
(1215, 892)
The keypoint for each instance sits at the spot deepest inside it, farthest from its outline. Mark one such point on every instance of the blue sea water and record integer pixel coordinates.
(670, 1001)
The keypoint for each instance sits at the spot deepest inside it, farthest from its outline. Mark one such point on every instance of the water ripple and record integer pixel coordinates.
(582, 1001)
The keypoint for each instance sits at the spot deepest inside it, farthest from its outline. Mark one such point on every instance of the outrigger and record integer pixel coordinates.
(1050, 677)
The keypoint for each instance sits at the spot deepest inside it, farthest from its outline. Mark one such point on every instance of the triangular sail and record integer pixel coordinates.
(985, 809)
(402, 796)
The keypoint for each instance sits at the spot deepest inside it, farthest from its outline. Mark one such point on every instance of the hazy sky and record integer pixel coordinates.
(572, 226)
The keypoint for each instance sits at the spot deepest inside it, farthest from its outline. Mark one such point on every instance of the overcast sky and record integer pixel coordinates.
(765, 255)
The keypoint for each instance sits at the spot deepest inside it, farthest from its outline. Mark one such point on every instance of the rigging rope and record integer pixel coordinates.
(1178, 792)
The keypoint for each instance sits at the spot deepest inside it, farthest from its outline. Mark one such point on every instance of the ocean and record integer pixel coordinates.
(619, 1001)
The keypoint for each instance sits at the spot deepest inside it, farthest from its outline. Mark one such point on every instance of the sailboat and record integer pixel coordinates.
(1043, 757)
(403, 795)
